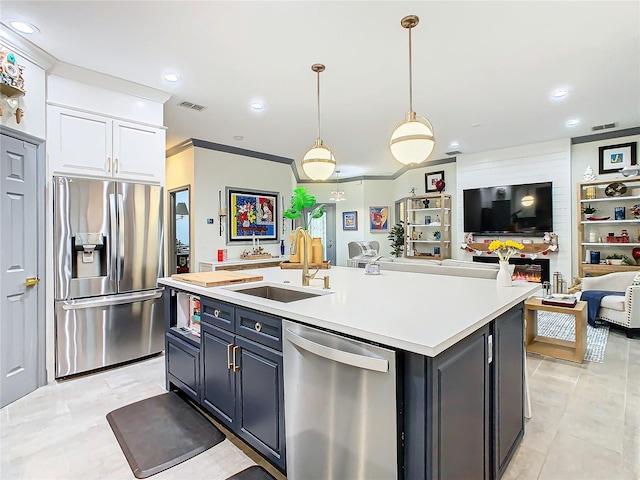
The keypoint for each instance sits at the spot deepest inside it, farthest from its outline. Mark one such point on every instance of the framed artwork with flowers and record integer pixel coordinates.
(431, 179)
(250, 214)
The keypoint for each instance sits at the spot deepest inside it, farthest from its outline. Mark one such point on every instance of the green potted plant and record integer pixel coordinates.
(301, 202)
(396, 235)
(589, 210)
(302, 209)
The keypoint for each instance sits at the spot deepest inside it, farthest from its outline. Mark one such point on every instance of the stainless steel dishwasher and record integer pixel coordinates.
(340, 407)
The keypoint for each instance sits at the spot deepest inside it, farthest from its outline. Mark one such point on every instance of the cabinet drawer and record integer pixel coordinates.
(219, 314)
(183, 365)
(259, 327)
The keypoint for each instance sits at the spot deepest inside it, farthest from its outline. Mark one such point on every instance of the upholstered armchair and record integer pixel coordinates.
(361, 252)
(621, 310)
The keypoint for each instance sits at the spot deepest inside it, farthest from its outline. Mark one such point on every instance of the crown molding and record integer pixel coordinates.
(97, 79)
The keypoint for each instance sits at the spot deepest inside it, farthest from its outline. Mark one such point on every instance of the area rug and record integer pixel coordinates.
(562, 326)
(160, 432)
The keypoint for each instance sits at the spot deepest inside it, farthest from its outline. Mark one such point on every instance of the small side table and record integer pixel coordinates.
(554, 347)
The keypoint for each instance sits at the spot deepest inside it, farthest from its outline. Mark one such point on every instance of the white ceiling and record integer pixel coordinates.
(483, 71)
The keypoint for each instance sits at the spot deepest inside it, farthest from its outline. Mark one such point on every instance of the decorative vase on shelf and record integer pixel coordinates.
(504, 275)
(316, 251)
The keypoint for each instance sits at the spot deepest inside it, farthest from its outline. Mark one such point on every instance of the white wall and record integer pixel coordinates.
(585, 155)
(213, 172)
(33, 102)
(540, 162)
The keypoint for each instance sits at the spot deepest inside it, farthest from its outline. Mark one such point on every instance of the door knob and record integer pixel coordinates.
(31, 281)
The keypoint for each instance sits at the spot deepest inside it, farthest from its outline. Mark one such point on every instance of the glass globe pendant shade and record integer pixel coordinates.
(527, 200)
(318, 163)
(412, 141)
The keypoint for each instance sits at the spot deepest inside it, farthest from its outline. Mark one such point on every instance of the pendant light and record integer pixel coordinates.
(337, 195)
(318, 163)
(412, 141)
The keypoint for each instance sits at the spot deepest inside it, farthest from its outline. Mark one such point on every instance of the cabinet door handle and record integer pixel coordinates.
(236, 368)
(109, 164)
(117, 166)
(229, 363)
(216, 313)
(258, 326)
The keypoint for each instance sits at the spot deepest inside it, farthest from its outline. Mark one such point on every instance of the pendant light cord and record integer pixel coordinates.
(319, 137)
(410, 75)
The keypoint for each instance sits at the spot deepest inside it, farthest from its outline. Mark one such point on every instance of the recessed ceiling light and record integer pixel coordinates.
(24, 27)
(172, 77)
(559, 93)
(238, 137)
(574, 122)
(454, 144)
(257, 106)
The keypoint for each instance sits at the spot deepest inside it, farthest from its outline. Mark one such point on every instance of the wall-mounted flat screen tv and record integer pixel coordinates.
(509, 209)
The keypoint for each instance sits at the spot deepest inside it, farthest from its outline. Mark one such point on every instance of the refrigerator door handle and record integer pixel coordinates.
(121, 236)
(348, 358)
(111, 300)
(113, 254)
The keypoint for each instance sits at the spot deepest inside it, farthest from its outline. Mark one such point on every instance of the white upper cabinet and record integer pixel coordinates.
(83, 143)
(138, 152)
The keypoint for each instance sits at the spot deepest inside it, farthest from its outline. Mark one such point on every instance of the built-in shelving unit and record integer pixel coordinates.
(594, 235)
(428, 226)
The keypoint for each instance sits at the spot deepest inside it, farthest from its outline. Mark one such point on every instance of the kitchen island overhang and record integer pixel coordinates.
(419, 313)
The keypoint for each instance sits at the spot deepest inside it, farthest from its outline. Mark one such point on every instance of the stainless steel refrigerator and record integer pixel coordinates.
(108, 256)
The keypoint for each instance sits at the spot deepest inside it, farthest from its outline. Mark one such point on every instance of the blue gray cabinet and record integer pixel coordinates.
(182, 365)
(218, 376)
(508, 387)
(242, 378)
(463, 409)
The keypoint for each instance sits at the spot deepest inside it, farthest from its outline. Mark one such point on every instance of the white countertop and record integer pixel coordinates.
(242, 261)
(416, 312)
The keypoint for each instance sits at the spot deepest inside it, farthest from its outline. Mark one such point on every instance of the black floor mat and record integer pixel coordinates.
(160, 432)
(252, 473)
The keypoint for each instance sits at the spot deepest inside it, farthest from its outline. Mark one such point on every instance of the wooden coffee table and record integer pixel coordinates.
(554, 347)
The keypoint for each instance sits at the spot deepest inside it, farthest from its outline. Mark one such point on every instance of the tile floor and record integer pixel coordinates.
(585, 424)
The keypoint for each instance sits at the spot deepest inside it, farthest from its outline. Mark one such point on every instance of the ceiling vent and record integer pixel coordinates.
(603, 127)
(453, 152)
(192, 106)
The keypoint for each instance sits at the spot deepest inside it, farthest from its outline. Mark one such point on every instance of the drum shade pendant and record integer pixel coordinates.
(412, 141)
(318, 163)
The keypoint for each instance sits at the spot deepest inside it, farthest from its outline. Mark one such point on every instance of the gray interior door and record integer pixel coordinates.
(18, 270)
(325, 228)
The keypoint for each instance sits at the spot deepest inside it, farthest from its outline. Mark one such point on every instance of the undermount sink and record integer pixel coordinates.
(278, 294)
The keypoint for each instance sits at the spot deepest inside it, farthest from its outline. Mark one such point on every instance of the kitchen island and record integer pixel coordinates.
(459, 370)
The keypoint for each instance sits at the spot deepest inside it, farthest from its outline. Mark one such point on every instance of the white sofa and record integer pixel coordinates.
(621, 310)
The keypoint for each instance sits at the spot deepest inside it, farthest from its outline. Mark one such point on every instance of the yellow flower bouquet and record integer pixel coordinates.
(506, 249)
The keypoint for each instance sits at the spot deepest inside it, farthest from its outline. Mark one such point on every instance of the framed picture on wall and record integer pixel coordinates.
(350, 220)
(614, 158)
(378, 219)
(250, 214)
(430, 180)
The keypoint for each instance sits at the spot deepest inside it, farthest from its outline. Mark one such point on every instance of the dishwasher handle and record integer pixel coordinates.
(353, 359)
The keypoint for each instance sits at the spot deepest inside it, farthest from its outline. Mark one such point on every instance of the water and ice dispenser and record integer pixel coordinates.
(90, 259)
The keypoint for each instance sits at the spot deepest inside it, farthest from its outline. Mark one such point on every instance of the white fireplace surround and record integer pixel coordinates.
(540, 162)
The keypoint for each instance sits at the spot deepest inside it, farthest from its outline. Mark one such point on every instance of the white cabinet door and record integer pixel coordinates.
(139, 152)
(79, 142)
